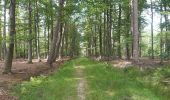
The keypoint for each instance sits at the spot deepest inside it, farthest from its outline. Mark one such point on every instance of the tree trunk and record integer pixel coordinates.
(56, 36)
(10, 51)
(104, 34)
(30, 35)
(166, 30)
(48, 28)
(100, 37)
(161, 37)
(4, 32)
(52, 22)
(119, 32)
(66, 40)
(1, 34)
(38, 32)
(135, 31)
(152, 50)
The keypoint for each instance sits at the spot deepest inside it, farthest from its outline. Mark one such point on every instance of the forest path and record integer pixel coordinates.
(81, 86)
(86, 79)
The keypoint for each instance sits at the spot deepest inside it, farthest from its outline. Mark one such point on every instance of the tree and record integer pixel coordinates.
(30, 34)
(119, 31)
(37, 31)
(135, 30)
(10, 51)
(4, 32)
(152, 51)
(161, 36)
(57, 35)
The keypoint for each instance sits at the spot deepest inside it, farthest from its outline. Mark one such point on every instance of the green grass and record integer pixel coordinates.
(59, 86)
(103, 83)
(107, 83)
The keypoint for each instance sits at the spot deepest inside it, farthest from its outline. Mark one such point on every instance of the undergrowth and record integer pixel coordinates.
(104, 82)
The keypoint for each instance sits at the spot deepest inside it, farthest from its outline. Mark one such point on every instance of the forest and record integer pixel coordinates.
(84, 49)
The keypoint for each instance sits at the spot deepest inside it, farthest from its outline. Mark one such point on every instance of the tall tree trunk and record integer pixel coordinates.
(95, 40)
(119, 32)
(161, 37)
(4, 32)
(166, 30)
(100, 37)
(1, 34)
(128, 37)
(58, 43)
(127, 44)
(38, 32)
(48, 29)
(152, 50)
(52, 22)
(104, 34)
(30, 35)
(10, 51)
(35, 31)
(61, 48)
(45, 36)
(66, 39)
(135, 31)
(25, 49)
(110, 30)
(56, 36)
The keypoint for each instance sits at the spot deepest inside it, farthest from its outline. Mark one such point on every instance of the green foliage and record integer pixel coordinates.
(23, 37)
(164, 56)
(165, 13)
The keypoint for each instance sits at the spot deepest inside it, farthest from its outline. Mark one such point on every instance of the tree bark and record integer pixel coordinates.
(10, 51)
(161, 38)
(152, 50)
(38, 32)
(119, 32)
(30, 35)
(56, 36)
(1, 50)
(135, 31)
(100, 37)
(4, 32)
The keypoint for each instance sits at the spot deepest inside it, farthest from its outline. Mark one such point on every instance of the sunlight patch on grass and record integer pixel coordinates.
(81, 67)
(110, 93)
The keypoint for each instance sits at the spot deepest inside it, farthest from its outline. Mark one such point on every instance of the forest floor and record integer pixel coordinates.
(22, 72)
(143, 62)
(84, 79)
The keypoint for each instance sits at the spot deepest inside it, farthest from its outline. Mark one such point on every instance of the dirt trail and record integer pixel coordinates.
(81, 88)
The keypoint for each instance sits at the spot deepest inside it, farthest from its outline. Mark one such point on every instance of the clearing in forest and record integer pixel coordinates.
(84, 79)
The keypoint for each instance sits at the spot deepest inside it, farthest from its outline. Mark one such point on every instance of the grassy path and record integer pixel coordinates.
(81, 87)
(84, 79)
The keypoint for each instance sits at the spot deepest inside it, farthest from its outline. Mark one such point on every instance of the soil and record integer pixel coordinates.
(21, 71)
